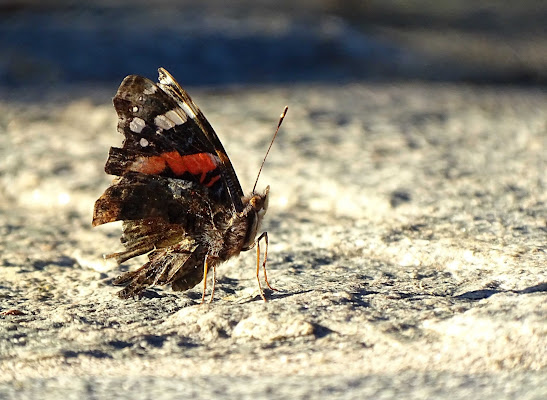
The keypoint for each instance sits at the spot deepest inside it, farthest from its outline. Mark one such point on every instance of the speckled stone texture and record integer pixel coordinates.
(407, 232)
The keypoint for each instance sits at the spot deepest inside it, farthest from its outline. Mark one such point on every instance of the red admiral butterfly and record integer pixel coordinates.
(177, 192)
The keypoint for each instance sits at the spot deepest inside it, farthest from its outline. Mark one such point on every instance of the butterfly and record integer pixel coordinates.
(176, 191)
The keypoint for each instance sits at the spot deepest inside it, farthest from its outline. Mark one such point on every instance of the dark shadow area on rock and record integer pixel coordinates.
(187, 343)
(62, 261)
(541, 287)
(148, 293)
(282, 294)
(320, 331)
(227, 284)
(89, 353)
(477, 294)
(119, 344)
(156, 341)
(485, 293)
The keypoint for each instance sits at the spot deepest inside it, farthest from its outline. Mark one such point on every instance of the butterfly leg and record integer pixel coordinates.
(214, 282)
(205, 270)
(264, 236)
(258, 272)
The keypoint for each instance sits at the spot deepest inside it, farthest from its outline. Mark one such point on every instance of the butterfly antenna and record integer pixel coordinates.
(281, 117)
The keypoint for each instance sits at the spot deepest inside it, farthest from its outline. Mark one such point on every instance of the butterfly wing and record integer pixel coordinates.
(174, 177)
(171, 86)
(167, 135)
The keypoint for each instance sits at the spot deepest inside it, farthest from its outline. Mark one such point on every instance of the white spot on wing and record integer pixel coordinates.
(168, 84)
(188, 110)
(177, 116)
(143, 142)
(150, 90)
(135, 109)
(170, 119)
(137, 124)
(163, 122)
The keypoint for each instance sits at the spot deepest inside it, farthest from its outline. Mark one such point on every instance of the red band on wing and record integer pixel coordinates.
(199, 163)
(195, 164)
(212, 180)
(153, 165)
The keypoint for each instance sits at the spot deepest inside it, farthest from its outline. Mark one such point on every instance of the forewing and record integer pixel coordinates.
(171, 86)
(166, 134)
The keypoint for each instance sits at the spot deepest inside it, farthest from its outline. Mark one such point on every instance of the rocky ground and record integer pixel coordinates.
(407, 229)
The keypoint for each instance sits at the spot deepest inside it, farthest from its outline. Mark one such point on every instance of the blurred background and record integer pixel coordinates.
(44, 44)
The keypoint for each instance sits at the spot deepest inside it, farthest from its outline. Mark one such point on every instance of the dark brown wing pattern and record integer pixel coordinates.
(173, 181)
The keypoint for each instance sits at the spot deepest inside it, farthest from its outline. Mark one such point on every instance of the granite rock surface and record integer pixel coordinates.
(407, 232)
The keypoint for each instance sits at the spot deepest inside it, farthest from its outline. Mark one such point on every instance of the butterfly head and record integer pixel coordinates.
(259, 202)
(257, 206)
